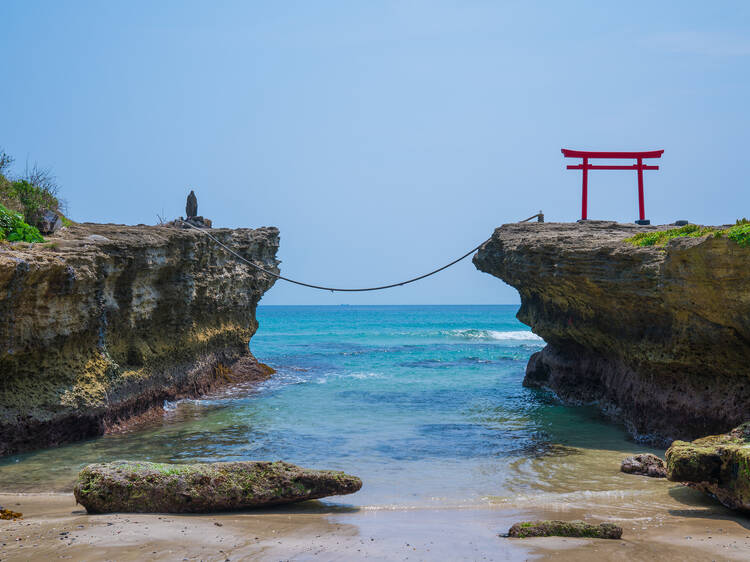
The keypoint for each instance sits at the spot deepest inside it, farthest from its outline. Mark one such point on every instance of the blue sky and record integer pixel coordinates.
(382, 138)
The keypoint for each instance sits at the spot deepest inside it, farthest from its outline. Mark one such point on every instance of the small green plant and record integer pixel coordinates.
(25, 233)
(14, 229)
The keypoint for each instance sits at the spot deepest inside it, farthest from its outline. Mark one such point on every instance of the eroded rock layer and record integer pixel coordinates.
(108, 321)
(659, 337)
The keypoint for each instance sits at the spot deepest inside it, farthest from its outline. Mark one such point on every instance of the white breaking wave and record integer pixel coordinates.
(170, 406)
(364, 375)
(516, 335)
(358, 376)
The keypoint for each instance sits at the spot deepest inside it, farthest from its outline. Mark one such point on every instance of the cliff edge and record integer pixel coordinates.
(659, 337)
(105, 322)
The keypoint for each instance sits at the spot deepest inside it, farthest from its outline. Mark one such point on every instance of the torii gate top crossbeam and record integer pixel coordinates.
(593, 154)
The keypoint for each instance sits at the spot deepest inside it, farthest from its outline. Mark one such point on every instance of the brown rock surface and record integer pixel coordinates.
(108, 321)
(659, 337)
(644, 464)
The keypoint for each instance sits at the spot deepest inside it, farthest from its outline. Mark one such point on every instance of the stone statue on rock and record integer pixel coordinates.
(192, 218)
(191, 208)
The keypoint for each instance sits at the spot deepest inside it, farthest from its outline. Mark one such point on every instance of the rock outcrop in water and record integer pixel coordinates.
(659, 337)
(107, 321)
(145, 487)
(718, 465)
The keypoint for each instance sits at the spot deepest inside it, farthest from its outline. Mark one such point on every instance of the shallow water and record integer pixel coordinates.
(424, 403)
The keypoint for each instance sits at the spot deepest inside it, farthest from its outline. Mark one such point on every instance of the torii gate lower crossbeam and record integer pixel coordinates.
(639, 166)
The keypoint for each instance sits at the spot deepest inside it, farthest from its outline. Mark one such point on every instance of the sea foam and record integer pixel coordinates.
(514, 335)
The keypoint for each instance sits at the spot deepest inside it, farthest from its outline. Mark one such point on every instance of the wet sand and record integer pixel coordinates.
(54, 527)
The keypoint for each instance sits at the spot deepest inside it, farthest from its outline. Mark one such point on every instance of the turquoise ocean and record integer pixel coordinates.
(424, 403)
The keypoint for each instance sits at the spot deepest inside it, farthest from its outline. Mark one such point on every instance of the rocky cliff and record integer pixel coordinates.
(659, 337)
(108, 321)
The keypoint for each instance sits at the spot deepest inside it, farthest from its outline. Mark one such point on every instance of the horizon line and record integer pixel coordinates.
(430, 304)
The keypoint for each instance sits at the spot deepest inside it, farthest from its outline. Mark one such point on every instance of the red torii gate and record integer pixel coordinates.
(639, 166)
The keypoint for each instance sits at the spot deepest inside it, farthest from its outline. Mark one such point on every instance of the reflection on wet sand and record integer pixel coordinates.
(54, 527)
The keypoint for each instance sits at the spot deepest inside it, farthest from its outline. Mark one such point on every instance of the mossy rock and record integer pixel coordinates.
(146, 487)
(554, 528)
(718, 465)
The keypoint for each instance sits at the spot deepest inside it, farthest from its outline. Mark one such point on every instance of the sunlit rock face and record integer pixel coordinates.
(659, 337)
(105, 322)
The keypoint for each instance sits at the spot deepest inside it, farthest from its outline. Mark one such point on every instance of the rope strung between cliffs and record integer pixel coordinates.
(540, 217)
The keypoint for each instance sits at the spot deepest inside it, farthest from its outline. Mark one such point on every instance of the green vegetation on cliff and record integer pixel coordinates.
(25, 200)
(14, 229)
(739, 233)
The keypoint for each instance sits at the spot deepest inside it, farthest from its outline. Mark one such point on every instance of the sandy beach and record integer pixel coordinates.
(54, 527)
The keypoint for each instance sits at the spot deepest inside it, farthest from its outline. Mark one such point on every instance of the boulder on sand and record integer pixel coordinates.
(553, 528)
(145, 487)
(644, 464)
